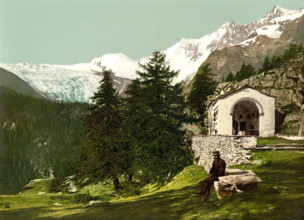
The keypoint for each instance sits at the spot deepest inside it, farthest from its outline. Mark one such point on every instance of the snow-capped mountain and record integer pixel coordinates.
(269, 36)
(188, 54)
(78, 82)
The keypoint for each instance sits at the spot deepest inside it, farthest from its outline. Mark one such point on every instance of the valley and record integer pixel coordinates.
(48, 113)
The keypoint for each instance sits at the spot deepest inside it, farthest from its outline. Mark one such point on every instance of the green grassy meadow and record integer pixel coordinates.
(280, 195)
(278, 141)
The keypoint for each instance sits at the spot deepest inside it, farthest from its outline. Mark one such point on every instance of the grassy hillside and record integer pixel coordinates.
(10, 80)
(38, 138)
(280, 195)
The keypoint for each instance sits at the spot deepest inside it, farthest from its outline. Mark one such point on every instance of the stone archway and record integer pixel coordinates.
(245, 118)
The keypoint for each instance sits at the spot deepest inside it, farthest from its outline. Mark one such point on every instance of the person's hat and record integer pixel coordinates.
(216, 153)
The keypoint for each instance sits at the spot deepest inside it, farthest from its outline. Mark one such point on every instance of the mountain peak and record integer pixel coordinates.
(119, 63)
(230, 24)
(277, 10)
(114, 56)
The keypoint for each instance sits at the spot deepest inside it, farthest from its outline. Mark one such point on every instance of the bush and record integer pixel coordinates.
(56, 185)
(292, 107)
(82, 198)
(130, 189)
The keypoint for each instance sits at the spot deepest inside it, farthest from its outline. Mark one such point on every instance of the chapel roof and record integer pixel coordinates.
(235, 91)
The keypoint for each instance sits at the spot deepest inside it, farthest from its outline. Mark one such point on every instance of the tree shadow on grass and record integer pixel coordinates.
(163, 205)
(280, 195)
(265, 202)
(25, 213)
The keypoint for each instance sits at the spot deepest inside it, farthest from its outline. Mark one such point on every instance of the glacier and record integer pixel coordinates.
(60, 83)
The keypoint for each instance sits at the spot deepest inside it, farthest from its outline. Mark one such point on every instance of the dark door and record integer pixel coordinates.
(235, 127)
(243, 126)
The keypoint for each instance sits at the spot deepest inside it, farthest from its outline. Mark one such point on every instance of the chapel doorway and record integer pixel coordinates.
(245, 119)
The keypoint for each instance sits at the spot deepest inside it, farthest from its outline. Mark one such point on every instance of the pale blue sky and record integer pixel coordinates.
(75, 31)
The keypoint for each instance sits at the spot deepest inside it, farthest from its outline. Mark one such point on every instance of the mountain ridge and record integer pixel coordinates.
(230, 59)
(186, 56)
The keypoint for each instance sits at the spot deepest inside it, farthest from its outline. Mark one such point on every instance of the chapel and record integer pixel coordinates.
(245, 111)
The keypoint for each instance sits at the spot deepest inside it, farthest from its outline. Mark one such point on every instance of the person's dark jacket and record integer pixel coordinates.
(218, 168)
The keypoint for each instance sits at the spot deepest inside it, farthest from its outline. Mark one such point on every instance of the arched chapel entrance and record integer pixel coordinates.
(245, 120)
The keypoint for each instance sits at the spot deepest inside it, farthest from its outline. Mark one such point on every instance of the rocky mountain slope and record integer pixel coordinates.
(286, 84)
(255, 49)
(188, 54)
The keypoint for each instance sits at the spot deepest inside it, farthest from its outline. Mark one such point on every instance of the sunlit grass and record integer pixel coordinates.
(278, 141)
(280, 195)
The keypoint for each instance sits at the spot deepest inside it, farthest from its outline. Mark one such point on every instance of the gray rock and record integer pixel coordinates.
(70, 184)
(92, 202)
(235, 181)
(257, 162)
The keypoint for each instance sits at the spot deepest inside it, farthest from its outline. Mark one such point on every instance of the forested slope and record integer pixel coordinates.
(38, 138)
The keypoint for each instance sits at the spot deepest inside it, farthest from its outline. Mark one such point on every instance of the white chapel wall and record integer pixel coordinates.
(264, 103)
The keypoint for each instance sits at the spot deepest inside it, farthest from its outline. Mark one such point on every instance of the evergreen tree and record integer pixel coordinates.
(266, 65)
(203, 86)
(246, 71)
(230, 77)
(276, 61)
(155, 112)
(292, 51)
(135, 112)
(105, 153)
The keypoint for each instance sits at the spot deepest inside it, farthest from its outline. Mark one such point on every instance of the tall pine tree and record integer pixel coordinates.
(246, 71)
(155, 112)
(230, 77)
(203, 86)
(266, 65)
(105, 153)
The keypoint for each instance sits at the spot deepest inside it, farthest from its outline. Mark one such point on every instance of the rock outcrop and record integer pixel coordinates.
(286, 84)
(230, 59)
(69, 184)
(235, 181)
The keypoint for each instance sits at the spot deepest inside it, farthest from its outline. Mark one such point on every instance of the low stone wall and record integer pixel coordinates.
(233, 149)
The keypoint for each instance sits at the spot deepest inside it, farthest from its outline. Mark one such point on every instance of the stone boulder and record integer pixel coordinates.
(69, 184)
(93, 202)
(236, 180)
